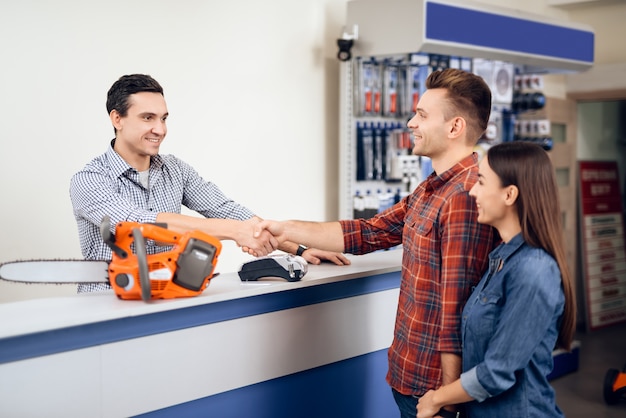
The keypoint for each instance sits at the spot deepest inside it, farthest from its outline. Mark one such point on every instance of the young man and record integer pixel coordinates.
(131, 181)
(444, 248)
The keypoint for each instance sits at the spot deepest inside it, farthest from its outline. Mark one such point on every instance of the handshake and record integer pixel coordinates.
(260, 237)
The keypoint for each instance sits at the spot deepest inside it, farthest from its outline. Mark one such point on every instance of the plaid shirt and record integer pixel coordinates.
(109, 186)
(445, 252)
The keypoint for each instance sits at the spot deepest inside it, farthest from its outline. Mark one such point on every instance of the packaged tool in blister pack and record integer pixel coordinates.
(391, 86)
(367, 87)
(416, 73)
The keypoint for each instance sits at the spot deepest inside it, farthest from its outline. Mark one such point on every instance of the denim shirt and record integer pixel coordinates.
(509, 328)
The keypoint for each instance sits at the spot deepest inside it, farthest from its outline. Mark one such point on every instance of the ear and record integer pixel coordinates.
(115, 119)
(457, 127)
(511, 195)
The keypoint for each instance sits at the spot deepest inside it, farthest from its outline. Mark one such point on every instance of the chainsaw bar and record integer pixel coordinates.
(55, 271)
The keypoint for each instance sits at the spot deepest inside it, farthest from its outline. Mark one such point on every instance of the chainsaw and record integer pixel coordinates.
(184, 270)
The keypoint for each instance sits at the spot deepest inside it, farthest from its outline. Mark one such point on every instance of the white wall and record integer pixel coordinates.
(251, 89)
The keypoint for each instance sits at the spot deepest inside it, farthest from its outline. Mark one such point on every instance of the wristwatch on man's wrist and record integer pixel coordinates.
(301, 249)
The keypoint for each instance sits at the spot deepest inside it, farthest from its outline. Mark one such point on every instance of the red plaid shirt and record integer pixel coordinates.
(444, 255)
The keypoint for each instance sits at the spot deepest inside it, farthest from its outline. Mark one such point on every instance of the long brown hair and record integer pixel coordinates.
(528, 166)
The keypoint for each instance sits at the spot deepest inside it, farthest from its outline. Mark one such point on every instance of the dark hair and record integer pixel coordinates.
(126, 85)
(528, 166)
(468, 95)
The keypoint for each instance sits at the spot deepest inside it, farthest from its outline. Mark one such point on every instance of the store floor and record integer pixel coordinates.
(579, 394)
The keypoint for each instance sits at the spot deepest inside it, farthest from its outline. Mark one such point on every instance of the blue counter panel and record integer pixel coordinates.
(89, 335)
(351, 388)
(473, 27)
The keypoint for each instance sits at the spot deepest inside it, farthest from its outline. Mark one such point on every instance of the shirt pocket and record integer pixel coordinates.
(419, 240)
(486, 314)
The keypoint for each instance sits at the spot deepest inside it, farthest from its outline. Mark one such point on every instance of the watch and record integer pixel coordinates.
(301, 249)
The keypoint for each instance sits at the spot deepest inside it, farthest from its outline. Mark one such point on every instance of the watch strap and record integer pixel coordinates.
(301, 249)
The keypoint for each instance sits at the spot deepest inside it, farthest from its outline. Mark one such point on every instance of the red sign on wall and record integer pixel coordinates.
(604, 256)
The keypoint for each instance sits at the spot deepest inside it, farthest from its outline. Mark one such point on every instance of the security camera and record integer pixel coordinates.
(345, 45)
(346, 42)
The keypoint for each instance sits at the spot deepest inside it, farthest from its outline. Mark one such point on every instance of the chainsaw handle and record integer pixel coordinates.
(157, 232)
(142, 262)
(109, 238)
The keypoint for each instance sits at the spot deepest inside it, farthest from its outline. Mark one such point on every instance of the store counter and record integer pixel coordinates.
(313, 348)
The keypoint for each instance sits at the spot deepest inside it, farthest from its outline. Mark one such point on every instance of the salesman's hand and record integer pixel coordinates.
(275, 228)
(256, 244)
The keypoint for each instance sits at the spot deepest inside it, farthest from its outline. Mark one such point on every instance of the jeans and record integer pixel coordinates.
(406, 403)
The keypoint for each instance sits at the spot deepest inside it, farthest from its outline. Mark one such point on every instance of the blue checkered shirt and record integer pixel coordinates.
(109, 186)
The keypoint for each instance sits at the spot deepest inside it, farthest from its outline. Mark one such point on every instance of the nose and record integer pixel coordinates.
(412, 123)
(159, 127)
(472, 191)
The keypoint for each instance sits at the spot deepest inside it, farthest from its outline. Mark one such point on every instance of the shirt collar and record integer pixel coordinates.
(119, 166)
(435, 181)
(504, 250)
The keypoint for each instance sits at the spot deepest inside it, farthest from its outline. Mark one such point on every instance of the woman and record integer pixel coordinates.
(524, 305)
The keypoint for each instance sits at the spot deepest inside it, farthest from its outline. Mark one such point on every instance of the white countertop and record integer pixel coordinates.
(39, 315)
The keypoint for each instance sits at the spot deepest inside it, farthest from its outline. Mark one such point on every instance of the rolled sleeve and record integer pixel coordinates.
(469, 381)
(362, 236)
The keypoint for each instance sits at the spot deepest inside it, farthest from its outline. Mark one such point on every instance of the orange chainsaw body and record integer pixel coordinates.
(183, 271)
